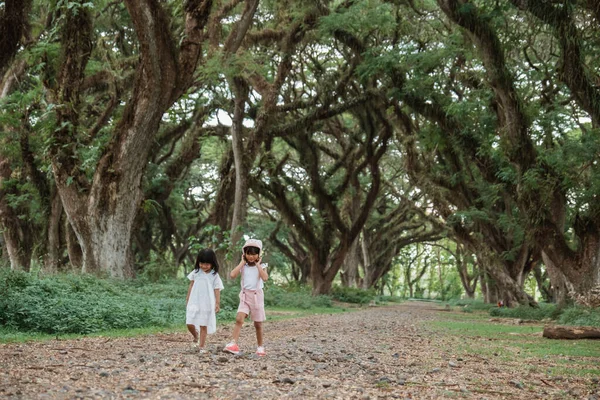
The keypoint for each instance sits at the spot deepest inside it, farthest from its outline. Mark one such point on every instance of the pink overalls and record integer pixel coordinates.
(252, 302)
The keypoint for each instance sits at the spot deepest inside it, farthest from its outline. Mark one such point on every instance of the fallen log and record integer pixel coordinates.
(571, 332)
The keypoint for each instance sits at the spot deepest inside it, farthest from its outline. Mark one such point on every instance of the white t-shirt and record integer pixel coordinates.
(250, 278)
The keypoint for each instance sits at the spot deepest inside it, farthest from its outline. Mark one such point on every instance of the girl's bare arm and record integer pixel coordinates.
(217, 300)
(262, 272)
(189, 291)
(236, 271)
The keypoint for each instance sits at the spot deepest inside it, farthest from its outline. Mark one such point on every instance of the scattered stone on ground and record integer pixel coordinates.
(373, 353)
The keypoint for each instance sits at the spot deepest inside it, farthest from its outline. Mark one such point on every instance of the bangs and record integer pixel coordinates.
(206, 257)
(252, 250)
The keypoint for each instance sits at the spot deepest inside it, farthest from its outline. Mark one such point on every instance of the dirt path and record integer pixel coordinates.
(374, 353)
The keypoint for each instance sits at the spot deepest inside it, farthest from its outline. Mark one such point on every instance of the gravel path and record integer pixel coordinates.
(374, 353)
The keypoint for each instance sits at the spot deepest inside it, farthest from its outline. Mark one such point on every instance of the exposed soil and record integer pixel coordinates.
(372, 353)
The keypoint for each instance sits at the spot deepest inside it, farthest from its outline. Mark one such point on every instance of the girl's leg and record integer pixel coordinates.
(203, 332)
(239, 321)
(194, 331)
(259, 332)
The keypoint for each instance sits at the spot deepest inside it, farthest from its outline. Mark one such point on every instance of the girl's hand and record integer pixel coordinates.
(217, 308)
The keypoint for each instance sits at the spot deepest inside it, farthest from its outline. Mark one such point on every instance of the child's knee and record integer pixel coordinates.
(239, 319)
(258, 325)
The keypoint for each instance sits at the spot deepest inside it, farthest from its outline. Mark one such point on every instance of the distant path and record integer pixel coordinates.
(382, 352)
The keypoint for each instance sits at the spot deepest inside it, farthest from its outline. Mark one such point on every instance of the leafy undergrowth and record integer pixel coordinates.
(68, 305)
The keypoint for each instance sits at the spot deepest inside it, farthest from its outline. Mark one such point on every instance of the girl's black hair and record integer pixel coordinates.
(207, 256)
(251, 249)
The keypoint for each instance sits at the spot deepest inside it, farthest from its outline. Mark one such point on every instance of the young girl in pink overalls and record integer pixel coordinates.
(252, 299)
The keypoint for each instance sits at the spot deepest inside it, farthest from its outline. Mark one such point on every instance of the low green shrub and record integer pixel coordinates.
(580, 316)
(294, 297)
(79, 304)
(544, 311)
(471, 304)
(82, 304)
(353, 295)
(388, 299)
(574, 315)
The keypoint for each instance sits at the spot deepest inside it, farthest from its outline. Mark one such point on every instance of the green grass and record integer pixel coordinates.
(475, 334)
(11, 336)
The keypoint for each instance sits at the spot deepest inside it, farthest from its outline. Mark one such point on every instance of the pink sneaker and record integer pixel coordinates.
(260, 351)
(232, 348)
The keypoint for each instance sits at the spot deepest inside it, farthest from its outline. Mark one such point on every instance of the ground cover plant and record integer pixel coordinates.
(509, 339)
(64, 304)
(574, 315)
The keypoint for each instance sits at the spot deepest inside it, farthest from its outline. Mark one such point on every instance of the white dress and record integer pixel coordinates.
(201, 304)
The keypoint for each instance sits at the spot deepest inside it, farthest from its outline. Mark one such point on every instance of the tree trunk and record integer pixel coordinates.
(349, 271)
(366, 256)
(13, 23)
(18, 237)
(241, 162)
(491, 287)
(323, 271)
(20, 258)
(508, 277)
(221, 211)
(484, 286)
(105, 240)
(469, 282)
(320, 286)
(73, 247)
(560, 285)
(52, 259)
(580, 271)
(544, 287)
(440, 275)
(5, 260)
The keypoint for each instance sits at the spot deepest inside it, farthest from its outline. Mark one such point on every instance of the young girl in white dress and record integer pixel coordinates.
(203, 298)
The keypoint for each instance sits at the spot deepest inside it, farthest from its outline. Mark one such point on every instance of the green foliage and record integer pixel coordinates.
(580, 316)
(544, 311)
(471, 304)
(80, 304)
(158, 269)
(361, 18)
(574, 315)
(211, 236)
(388, 299)
(353, 295)
(294, 297)
(83, 304)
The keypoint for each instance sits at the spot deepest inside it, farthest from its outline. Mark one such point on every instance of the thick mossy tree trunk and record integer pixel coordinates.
(102, 212)
(13, 24)
(52, 258)
(17, 232)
